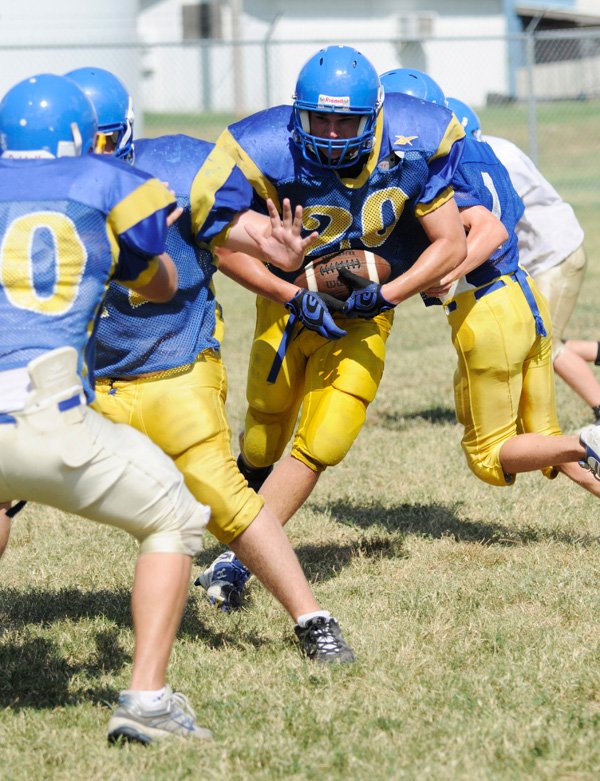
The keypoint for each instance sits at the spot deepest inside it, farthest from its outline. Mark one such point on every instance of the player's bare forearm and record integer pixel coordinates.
(251, 273)
(485, 233)
(163, 285)
(273, 239)
(448, 248)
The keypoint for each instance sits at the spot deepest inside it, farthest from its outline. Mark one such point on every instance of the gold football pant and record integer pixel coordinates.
(504, 382)
(183, 411)
(331, 383)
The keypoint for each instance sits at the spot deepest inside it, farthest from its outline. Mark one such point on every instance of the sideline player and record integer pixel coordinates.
(70, 222)
(358, 164)
(504, 386)
(551, 249)
(159, 367)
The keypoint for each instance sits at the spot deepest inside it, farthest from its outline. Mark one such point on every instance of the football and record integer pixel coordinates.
(321, 274)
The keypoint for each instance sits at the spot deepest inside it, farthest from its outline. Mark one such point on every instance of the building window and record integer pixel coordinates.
(201, 21)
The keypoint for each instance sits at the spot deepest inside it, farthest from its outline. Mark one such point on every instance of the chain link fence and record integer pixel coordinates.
(540, 90)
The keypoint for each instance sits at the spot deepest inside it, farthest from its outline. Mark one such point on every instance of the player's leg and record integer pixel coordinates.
(5, 522)
(577, 373)
(541, 444)
(79, 462)
(586, 349)
(8, 510)
(341, 381)
(589, 352)
(493, 337)
(560, 286)
(185, 415)
(272, 406)
(299, 480)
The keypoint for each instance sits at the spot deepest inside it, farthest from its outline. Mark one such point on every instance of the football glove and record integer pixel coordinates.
(313, 311)
(366, 299)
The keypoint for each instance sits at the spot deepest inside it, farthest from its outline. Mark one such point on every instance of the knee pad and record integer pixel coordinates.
(325, 437)
(266, 436)
(487, 467)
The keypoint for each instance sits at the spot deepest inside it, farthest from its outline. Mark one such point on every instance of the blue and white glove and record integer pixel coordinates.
(366, 299)
(313, 311)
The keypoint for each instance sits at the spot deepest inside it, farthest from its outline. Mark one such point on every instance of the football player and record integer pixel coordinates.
(71, 222)
(551, 249)
(504, 387)
(159, 367)
(358, 164)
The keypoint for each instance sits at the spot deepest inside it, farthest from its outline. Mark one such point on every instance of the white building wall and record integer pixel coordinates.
(280, 36)
(56, 36)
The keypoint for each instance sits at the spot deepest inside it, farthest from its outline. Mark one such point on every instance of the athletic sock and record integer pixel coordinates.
(306, 617)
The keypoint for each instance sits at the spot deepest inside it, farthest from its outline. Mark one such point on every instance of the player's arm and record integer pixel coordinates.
(163, 285)
(273, 239)
(312, 310)
(447, 249)
(159, 283)
(252, 274)
(138, 225)
(485, 233)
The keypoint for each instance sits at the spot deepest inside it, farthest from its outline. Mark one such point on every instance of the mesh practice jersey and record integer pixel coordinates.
(135, 336)
(67, 226)
(417, 147)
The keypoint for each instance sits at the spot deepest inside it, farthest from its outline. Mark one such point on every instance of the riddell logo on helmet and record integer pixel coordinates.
(331, 100)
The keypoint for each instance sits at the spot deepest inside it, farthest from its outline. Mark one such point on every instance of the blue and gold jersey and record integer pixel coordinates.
(417, 148)
(135, 336)
(482, 179)
(66, 227)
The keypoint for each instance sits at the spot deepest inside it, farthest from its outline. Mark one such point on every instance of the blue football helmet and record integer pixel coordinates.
(466, 116)
(410, 81)
(336, 79)
(46, 116)
(114, 108)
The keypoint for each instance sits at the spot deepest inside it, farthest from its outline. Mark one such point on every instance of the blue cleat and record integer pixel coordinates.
(224, 581)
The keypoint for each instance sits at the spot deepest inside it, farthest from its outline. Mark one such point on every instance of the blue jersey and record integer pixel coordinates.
(66, 227)
(135, 336)
(417, 147)
(481, 179)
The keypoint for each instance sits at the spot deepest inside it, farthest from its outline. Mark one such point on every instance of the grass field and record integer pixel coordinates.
(474, 611)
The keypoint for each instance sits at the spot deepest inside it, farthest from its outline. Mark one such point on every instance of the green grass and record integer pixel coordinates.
(473, 611)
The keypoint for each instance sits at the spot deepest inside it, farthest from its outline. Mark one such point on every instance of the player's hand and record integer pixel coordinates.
(283, 245)
(173, 216)
(366, 299)
(312, 310)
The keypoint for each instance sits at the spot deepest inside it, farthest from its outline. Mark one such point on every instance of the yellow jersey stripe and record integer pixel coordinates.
(146, 199)
(213, 174)
(144, 278)
(454, 132)
(441, 198)
(261, 184)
